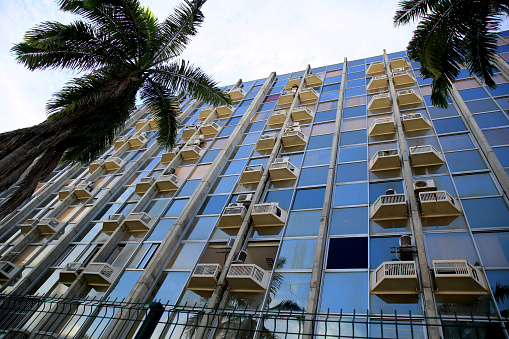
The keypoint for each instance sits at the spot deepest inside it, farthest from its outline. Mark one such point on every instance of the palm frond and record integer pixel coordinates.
(175, 32)
(165, 109)
(77, 46)
(412, 10)
(180, 76)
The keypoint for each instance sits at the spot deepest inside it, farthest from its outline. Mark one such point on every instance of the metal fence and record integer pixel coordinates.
(54, 317)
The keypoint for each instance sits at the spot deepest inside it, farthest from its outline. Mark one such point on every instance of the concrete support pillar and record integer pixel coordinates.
(317, 273)
(422, 261)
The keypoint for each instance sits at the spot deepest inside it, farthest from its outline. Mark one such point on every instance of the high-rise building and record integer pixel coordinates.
(334, 201)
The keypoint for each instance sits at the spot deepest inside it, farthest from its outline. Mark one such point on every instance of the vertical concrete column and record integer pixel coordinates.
(502, 65)
(221, 286)
(149, 277)
(425, 274)
(317, 273)
(484, 145)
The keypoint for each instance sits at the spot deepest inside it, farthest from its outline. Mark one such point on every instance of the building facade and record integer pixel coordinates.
(330, 202)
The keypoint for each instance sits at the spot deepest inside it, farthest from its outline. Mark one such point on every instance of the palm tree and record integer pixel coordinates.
(122, 49)
(453, 33)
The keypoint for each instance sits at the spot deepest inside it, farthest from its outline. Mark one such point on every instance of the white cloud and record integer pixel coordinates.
(238, 39)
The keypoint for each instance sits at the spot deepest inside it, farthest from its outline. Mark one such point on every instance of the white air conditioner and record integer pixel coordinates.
(114, 220)
(204, 277)
(424, 185)
(245, 198)
(8, 270)
(268, 136)
(236, 204)
(247, 278)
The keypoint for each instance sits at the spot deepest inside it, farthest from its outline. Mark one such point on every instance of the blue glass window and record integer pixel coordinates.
(486, 212)
(481, 106)
(188, 188)
(320, 141)
(309, 198)
(329, 96)
(354, 137)
(313, 158)
(356, 111)
(473, 185)
(213, 205)
(499, 136)
(465, 161)
(351, 92)
(347, 253)
(325, 116)
(503, 155)
(350, 296)
(349, 221)
(449, 125)
(283, 197)
(456, 142)
(303, 223)
(347, 154)
(357, 171)
(313, 176)
(494, 119)
(176, 207)
(352, 194)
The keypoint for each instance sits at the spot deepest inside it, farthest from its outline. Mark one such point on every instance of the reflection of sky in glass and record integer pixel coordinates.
(295, 288)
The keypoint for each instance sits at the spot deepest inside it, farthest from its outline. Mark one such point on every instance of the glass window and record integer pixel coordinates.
(354, 137)
(323, 128)
(156, 207)
(334, 95)
(449, 125)
(125, 285)
(352, 194)
(453, 246)
(200, 228)
(350, 92)
(325, 116)
(234, 167)
(437, 112)
(486, 212)
(493, 248)
(213, 205)
(243, 152)
(357, 111)
(321, 157)
(472, 185)
(499, 136)
(472, 94)
(357, 171)
(349, 221)
(284, 197)
(313, 176)
(456, 142)
(309, 198)
(347, 154)
(503, 155)
(320, 141)
(353, 294)
(224, 184)
(176, 207)
(291, 288)
(210, 156)
(172, 286)
(297, 254)
(478, 106)
(353, 124)
(160, 230)
(380, 250)
(188, 188)
(346, 253)
(465, 161)
(186, 255)
(303, 223)
(494, 119)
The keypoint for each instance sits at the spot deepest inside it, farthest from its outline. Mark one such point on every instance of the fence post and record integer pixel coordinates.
(155, 313)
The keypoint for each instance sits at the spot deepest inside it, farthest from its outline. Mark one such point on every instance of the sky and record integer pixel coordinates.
(239, 39)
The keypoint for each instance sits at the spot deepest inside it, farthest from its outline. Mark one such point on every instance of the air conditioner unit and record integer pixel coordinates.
(48, 225)
(114, 220)
(84, 190)
(8, 270)
(138, 222)
(70, 272)
(230, 242)
(144, 185)
(100, 274)
(245, 198)
(424, 185)
(267, 136)
(191, 152)
(236, 204)
(197, 141)
(28, 225)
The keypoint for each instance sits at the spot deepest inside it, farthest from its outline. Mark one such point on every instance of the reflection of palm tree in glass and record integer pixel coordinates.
(501, 293)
